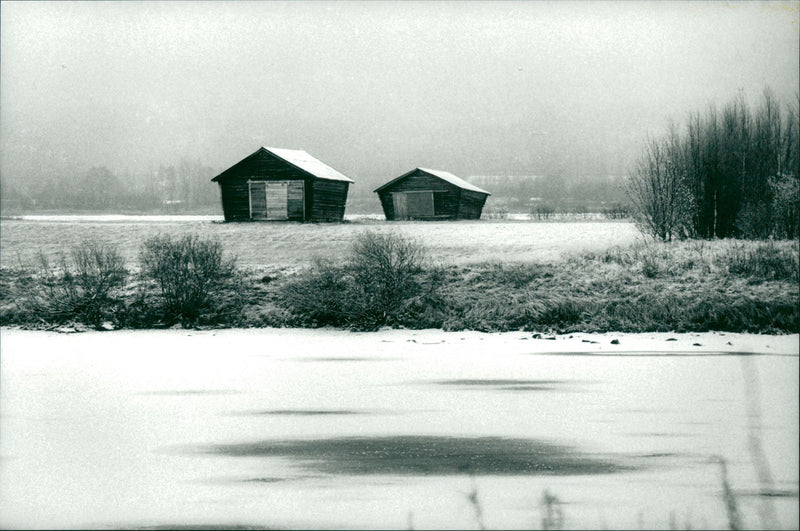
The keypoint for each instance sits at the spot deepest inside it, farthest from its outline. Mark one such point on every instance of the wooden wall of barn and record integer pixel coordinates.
(471, 204)
(236, 198)
(446, 198)
(328, 199)
(324, 200)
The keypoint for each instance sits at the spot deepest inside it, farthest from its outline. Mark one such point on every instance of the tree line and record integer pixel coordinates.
(185, 186)
(731, 172)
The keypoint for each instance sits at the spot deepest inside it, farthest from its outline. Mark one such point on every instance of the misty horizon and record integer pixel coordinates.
(375, 89)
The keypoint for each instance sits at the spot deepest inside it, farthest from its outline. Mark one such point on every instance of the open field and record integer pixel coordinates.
(293, 244)
(327, 429)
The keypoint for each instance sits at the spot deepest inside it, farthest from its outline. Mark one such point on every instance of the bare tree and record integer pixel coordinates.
(734, 173)
(659, 190)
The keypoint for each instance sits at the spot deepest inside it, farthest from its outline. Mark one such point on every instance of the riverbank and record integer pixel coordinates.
(489, 277)
(340, 342)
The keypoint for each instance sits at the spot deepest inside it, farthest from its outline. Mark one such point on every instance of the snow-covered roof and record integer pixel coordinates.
(297, 158)
(452, 179)
(307, 163)
(444, 175)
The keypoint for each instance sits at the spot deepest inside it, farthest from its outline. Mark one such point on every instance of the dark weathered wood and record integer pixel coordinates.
(296, 200)
(307, 198)
(258, 199)
(471, 204)
(449, 201)
(328, 200)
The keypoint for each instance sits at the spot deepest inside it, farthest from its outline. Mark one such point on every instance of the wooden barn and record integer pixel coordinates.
(276, 184)
(431, 195)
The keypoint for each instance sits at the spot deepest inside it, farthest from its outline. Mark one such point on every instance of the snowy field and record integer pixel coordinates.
(395, 429)
(295, 244)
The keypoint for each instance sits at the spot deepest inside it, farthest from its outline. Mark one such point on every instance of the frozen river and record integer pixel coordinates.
(396, 429)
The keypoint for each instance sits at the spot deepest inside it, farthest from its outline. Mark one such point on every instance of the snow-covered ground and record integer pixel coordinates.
(326, 429)
(296, 244)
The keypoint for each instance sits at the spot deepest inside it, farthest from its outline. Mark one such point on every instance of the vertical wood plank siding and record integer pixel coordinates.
(328, 199)
(308, 198)
(258, 200)
(471, 204)
(296, 200)
(450, 201)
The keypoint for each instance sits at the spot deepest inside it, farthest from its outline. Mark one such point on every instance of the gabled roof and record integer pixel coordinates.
(301, 160)
(444, 175)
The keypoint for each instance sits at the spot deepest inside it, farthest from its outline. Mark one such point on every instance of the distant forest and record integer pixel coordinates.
(187, 188)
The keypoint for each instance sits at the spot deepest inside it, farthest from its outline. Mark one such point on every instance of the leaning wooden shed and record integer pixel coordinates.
(431, 195)
(276, 184)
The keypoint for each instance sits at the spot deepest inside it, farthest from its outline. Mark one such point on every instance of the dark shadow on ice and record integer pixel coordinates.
(495, 383)
(524, 388)
(771, 493)
(428, 455)
(509, 385)
(301, 412)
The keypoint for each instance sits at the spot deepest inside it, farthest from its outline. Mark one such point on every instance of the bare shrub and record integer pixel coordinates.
(191, 272)
(76, 288)
(542, 211)
(495, 213)
(659, 191)
(320, 294)
(378, 282)
(384, 267)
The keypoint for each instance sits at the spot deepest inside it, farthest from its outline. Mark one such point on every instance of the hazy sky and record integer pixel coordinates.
(374, 89)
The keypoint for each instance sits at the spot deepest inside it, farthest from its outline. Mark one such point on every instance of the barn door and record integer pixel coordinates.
(400, 210)
(420, 204)
(269, 200)
(258, 200)
(277, 200)
(409, 205)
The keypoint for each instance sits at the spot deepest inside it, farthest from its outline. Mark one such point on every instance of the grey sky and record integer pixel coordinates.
(374, 89)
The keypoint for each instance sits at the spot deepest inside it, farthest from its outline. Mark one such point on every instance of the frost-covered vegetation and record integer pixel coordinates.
(387, 279)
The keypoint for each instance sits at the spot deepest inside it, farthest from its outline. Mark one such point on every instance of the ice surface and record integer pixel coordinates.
(312, 428)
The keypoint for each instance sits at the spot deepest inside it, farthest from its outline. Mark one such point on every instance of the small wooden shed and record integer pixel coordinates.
(431, 195)
(276, 184)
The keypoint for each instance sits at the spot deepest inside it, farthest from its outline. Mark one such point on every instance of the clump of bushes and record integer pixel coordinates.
(380, 280)
(185, 279)
(79, 287)
(192, 274)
